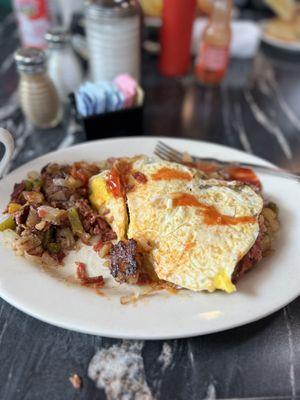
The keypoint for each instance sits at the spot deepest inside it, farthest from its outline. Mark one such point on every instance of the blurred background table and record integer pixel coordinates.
(255, 109)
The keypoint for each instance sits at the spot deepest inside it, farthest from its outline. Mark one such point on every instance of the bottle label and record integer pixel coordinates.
(32, 9)
(33, 21)
(213, 58)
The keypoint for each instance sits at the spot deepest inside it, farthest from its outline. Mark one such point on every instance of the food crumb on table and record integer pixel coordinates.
(76, 381)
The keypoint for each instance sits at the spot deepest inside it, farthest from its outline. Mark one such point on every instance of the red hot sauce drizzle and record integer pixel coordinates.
(119, 179)
(245, 175)
(81, 273)
(114, 183)
(168, 174)
(210, 213)
(139, 177)
(241, 174)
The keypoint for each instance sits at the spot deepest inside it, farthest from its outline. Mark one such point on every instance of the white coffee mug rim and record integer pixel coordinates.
(7, 140)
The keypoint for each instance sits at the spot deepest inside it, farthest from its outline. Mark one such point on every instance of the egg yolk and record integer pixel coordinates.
(99, 194)
(223, 282)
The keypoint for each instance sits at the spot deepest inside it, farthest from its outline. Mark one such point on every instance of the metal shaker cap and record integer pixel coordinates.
(96, 9)
(57, 37)
(30, 60)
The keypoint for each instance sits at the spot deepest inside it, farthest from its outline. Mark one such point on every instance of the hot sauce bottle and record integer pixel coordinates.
(34, 20)
(211, 65)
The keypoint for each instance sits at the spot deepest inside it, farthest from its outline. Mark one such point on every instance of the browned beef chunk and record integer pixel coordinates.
(254, 255)
(125, 262)
(21, 218)
(248, 261)
(16, 196)
(56, 195)
(65, 237)
(92, 222)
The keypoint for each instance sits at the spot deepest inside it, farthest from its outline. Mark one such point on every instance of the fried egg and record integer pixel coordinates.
(196, 229)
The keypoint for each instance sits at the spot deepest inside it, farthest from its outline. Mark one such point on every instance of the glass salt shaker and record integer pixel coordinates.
(113, 38)
(38, 96)
(63, 66)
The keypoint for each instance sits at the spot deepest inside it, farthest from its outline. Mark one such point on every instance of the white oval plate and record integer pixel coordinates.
(280, 44)
(270, 286)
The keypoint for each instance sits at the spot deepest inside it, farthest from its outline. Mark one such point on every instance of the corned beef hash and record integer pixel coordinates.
(157, 223)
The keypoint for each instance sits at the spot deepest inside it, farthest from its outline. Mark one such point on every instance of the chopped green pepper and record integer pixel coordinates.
(13, 207)
(8, 223)
(48, 237)
(49, 241)
(28, 185)
(273, 207)
(54, 247)
(37, 183)
(75, 222)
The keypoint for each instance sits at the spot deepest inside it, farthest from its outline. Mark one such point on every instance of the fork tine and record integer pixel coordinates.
(171, 150)
(161, 155)
(163, 147)
(166, 155)
(165, 152)
(168, 152)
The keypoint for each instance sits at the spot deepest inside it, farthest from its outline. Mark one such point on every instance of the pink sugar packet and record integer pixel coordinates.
(128, 86)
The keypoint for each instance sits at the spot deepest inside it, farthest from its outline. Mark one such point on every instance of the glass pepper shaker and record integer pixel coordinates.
(63, 66)
(38, 96)
(113, 38)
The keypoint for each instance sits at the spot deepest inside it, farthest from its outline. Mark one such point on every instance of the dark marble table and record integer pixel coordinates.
(255, 109)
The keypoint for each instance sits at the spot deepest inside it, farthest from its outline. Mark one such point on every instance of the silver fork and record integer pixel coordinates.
(162, 150)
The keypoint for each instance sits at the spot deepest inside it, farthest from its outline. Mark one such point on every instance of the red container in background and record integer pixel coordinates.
(33, 20)
(175, 36)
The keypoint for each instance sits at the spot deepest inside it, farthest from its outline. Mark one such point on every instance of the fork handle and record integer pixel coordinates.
(261, 168)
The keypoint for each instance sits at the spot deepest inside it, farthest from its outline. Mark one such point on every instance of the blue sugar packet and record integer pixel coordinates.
(101, 99)
(113, 99)
(80, 104)
(121, 99)
(117, 99)
(90, 99)
(97, 98)
(84, 102)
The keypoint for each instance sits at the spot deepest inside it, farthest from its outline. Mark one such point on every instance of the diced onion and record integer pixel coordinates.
(59, 182)
(32, 175)
(50, 214)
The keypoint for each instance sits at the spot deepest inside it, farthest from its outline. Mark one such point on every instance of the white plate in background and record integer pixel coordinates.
(280, 44)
